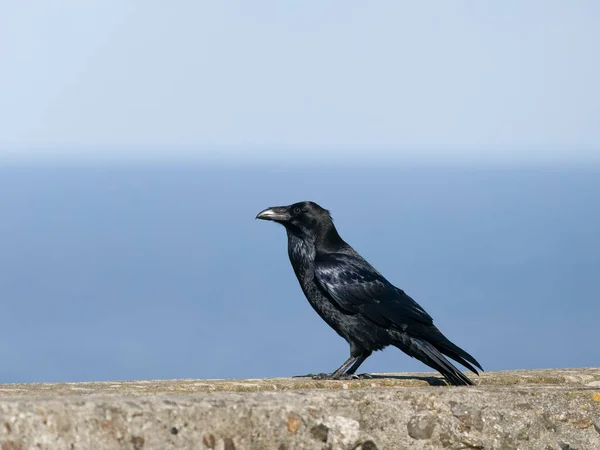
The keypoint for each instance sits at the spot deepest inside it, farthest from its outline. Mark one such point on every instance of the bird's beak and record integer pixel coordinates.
(275, 213)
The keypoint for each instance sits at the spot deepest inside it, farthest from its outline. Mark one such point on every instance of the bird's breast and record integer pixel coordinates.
(302, 257)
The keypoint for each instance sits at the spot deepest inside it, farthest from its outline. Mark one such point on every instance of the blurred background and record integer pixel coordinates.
(457, 146)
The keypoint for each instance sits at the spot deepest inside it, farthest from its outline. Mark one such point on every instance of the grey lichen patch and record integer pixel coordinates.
(343, 429)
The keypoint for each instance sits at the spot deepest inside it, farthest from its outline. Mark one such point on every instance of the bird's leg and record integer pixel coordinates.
(361, 359)
(339, 373)
(353, 362)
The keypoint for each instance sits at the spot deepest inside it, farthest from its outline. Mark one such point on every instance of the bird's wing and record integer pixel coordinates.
(357, 288)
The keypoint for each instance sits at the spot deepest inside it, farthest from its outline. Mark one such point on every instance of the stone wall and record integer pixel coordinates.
(545, 409)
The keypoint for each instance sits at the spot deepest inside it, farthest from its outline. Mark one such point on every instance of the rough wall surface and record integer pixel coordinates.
(549, 409)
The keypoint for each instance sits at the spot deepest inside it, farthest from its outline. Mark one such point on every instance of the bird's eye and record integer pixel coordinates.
(296, 210)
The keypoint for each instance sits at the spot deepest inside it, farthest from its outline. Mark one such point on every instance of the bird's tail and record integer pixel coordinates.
(444, 345)
(428, 354)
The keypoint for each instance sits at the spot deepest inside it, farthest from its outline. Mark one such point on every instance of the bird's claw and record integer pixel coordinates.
(362, 376)
(353, 376)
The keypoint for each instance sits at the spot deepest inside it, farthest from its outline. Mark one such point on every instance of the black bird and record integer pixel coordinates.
(357, 301)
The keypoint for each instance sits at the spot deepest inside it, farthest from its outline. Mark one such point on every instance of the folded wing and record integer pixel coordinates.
(357, 288)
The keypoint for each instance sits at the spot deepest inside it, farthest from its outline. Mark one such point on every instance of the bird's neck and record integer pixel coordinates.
(328, 240)
(304, 249)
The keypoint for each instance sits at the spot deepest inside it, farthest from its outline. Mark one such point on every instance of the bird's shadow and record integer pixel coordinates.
(432, 381)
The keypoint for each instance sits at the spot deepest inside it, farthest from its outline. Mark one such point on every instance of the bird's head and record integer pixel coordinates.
(302, 218)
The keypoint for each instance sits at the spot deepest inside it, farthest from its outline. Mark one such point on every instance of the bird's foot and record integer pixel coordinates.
(329, 376)
(322, 376)
(317, 376)
(344, 377)
(353, 376)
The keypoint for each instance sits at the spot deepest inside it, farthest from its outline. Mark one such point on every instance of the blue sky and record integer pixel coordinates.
(504, 81)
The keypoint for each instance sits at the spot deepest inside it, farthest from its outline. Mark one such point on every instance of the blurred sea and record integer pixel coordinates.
(162, 272)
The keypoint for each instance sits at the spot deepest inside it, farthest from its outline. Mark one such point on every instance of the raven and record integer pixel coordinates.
(357, 301)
